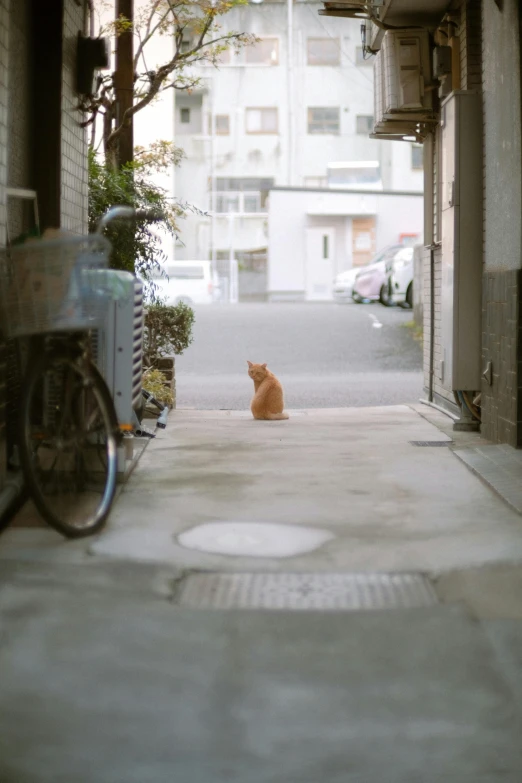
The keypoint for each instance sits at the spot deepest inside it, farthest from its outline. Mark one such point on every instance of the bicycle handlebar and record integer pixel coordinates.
(125, 213)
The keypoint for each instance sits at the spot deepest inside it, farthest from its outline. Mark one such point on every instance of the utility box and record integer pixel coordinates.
(461, 224)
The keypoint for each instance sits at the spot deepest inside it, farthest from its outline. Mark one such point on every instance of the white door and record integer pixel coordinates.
(320, 252)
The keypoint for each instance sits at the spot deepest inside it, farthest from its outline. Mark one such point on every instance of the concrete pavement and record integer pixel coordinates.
(106, 678)
(389, 505)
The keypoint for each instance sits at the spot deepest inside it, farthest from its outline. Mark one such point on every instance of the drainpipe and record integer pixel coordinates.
(290, 88)
(213, 199)
(432, 321)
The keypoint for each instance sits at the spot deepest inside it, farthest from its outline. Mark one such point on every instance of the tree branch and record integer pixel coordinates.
(161, 75)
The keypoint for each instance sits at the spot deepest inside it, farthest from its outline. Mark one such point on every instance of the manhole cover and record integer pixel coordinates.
(350, 592)
(254, 539)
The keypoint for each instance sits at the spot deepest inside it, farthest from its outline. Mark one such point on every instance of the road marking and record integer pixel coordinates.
(376, 323)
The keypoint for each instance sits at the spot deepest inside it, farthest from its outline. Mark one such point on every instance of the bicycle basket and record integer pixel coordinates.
(54, 285)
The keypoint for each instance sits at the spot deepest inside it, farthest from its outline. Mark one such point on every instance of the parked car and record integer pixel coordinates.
(191, 282)
(344, 282)
(371, 283)
(400, 278)
(343, 285)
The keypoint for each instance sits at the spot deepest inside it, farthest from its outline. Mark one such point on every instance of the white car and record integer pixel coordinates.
(400, 278)
(191, 282)
(343, 285)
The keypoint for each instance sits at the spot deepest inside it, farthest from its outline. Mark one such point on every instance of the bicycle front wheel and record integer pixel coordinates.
(68, 443)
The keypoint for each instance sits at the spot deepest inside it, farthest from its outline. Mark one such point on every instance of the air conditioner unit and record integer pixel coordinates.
(118, 346)
(406, 73)
(385, 128)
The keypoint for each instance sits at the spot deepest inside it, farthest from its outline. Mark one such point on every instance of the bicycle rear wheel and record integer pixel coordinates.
(68, 443)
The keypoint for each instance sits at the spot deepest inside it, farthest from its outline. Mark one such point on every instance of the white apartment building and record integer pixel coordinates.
(294, 110)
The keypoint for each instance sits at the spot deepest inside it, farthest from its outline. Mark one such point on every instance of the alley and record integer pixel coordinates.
(326, 355)
(142, 654)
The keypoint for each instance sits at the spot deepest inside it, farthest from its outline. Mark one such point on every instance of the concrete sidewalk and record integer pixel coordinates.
(108, 677)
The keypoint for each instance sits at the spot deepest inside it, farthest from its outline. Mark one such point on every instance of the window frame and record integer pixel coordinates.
(241, 58)
(183, 109)
(262, 132)
(323, 132)
(335, 41)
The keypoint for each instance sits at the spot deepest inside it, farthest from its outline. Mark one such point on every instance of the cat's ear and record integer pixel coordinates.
(249, 363)
(263, 366)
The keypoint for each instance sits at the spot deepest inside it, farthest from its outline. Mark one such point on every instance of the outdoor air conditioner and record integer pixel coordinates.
(406, 73)
(118, 346)
(385, 128)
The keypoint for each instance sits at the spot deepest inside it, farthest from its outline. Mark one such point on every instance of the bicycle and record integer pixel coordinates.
(59, 289)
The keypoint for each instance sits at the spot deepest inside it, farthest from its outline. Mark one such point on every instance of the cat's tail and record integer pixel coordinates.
(277, 416)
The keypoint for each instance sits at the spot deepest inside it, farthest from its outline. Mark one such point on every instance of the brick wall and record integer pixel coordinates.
(74, 192)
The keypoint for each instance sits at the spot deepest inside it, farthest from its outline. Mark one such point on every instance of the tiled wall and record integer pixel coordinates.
(74, 142)
(20, 120)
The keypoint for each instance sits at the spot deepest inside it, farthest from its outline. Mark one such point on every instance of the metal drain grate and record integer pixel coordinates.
(430, 442)
(341, 592)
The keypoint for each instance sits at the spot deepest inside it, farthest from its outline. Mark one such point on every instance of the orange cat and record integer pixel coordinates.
(268, 402)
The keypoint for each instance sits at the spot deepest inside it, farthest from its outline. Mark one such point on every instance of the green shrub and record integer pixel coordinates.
(168, 331)
(155, 382)
(136, 247)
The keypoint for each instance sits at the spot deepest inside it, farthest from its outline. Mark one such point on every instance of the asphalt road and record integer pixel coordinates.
(326, 355)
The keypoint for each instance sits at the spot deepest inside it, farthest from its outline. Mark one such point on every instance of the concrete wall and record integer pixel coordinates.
(291, 212)
(502, 400)
(4, 81)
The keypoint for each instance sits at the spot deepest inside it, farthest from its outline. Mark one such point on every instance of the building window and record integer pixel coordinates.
(261, 120)
(323, 119)
(361, 58)
(221, 124)
(184, 114)
(323, 51)
(416, 156)
(186, 45)
(364, 123)
(326, 250)
(243, 195)
(265, 52)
